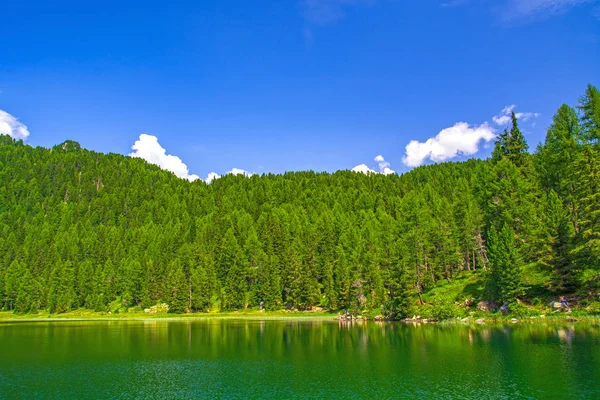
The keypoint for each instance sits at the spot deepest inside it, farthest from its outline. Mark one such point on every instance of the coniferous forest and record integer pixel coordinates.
(80, 229)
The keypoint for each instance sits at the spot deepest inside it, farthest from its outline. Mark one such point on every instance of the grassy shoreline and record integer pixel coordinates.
(281, 315)
(101, 316)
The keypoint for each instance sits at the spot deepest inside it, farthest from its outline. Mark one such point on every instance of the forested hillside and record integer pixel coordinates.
(83, 229)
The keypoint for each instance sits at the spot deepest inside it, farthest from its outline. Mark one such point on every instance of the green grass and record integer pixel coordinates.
(83, 314)
(446, 300)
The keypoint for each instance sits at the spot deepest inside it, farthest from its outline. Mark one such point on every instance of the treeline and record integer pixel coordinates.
(84, 229)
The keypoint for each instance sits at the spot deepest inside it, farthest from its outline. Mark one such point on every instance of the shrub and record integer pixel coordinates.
(443, 310)
(521, 310)
(593, 308)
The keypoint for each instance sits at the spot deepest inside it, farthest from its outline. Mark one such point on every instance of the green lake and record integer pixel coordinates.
(296, 359)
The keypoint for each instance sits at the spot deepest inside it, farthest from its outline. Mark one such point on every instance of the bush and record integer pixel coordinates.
(521, 310)
(593, 308)
(443, 310)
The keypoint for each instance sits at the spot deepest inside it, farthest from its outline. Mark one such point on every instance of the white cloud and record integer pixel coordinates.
(384, 166)
(363, 169)
(212, 176)
(148, 148)
(234, 171)
(238, 171)
(460, 139)
(504, 117)
(9, 125)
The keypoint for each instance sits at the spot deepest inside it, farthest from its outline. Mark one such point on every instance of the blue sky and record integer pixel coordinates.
(273, 86)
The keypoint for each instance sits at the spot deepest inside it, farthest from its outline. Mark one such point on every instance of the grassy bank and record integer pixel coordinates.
(91, 315)
(447, 301)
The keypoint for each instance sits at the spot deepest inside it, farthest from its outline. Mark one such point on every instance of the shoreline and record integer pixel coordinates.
(8, 317)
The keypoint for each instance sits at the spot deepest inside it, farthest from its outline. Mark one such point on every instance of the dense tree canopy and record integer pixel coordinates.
(83, 229)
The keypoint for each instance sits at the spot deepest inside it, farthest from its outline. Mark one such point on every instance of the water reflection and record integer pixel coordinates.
(300, 359)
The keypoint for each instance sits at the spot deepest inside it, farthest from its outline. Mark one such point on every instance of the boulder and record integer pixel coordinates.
(480, 321)
(486, 306)
(504, 309)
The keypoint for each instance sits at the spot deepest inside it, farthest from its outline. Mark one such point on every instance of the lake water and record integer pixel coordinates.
(296, 359)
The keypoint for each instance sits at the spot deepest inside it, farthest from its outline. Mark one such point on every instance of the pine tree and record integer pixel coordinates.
(501, 146)
(397, 305)
(201, 294)
(505, 281)
(342, 280)
(587, 189)
(564, 269)
(589, 105)
(516, 145)
(61, 294)
(558, 153)
(177, 288)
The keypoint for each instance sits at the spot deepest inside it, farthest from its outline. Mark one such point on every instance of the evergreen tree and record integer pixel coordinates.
(558, 153)
(561, 261)
(177, 288)
(397, 305)
(234, 285)
(589, 105)
(200, 284)
(505, 281)
(587, 188)
(61, 294)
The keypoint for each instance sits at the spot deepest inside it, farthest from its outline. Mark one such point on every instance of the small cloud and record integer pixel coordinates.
(504, 117)
(238, 171)
(460, 139)
(212, 176)
(11, 126)
(148, 148)
(234, 171)
(384, 166)
(362, 168)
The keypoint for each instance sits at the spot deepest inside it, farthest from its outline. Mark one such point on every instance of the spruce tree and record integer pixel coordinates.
(564, 269)
(589, 105)
(177, 288)
(505, 261)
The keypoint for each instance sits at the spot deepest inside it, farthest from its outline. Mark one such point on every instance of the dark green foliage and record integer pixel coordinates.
(562, 262)
(505, 280)
(178, 290)
(590, 110)
(511, 144)
(83, 229)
